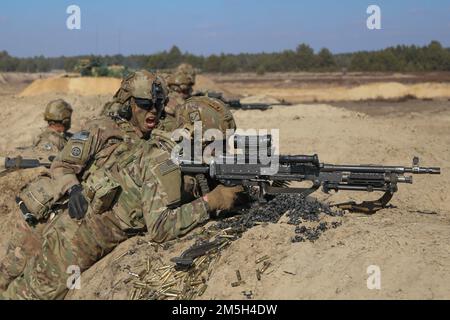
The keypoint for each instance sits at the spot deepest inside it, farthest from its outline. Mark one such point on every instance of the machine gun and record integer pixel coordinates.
(12, 164)
(226, 170)
(237, 104)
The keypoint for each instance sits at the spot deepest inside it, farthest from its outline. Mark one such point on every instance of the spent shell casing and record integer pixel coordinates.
(190, 295)
(226, 236)
(200, 261)
(261, 259)
(223, 245)
(266, 265)
(121, 256)
(133, 274)
(164, 267)
(237, 283)
(170, 284)
(133, 293)
(167, 277)
(140, 284)
(143, 273)
(165, 273)
(167, 294)
(258, 274)
(196, 283)
(238, 275)
(173, 291)
(138, 294)
(202, 290)
(179, 274)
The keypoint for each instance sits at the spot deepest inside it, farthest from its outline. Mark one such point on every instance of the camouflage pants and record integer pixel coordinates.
(23, 243)
(44, 272)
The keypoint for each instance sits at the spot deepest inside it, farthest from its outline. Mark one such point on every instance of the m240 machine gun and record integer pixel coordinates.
(253, 175)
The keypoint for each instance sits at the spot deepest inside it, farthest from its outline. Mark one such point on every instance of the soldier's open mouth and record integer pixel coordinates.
(150, 122)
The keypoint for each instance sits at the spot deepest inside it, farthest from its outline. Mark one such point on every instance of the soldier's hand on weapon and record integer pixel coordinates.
(78, 204)
(222, 197)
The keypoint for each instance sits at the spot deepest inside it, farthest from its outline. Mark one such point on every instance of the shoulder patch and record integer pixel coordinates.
(194, 116)
(81, 136)
(76, 151)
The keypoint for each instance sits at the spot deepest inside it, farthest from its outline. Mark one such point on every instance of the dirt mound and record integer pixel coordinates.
(409, 242)
(409, 247)
(260, 99)
(204, 83)
(22, 118)
(15, 82)
(319, 92)
(85, 86)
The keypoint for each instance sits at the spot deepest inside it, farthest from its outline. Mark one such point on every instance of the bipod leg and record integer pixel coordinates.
(367, 207)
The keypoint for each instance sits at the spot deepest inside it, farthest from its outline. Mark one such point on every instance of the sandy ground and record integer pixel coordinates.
(409, 242)
(327, 87)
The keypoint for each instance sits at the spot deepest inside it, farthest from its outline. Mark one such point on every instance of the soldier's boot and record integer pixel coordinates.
(69, 247)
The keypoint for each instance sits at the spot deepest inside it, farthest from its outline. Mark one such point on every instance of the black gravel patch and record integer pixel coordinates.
(297, 207)
(303, 233)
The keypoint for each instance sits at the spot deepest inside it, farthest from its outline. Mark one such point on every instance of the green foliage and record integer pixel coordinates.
(403, 59)
(432, 57)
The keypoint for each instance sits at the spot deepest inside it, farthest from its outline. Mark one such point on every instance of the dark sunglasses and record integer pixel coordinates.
(144, 104)
(147, 104)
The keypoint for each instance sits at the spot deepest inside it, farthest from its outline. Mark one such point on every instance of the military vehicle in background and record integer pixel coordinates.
(94, 68)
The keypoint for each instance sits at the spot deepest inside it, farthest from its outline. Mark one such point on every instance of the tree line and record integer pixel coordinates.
(402, 58)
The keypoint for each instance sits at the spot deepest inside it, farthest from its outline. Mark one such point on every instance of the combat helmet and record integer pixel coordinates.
(181, 82)
(212, 113)
(58, 111)
(141, 85)
(180, 79)
(188, 70)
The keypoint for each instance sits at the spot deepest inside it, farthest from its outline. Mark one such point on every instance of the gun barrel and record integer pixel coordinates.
(424, 170)
(380, 169)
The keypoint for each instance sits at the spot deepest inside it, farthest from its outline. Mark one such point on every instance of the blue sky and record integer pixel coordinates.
(29, 28)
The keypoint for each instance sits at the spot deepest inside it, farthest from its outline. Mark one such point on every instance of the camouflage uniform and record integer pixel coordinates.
(51, 141)
(139, 190)
(99, 144)
(180, 84)
(23, 240)
(188, 70)
(213, 113)
(168, 123)
(146, 186)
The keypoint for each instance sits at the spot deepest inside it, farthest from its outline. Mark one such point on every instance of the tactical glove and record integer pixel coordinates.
(78, 204)
(222, 198)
